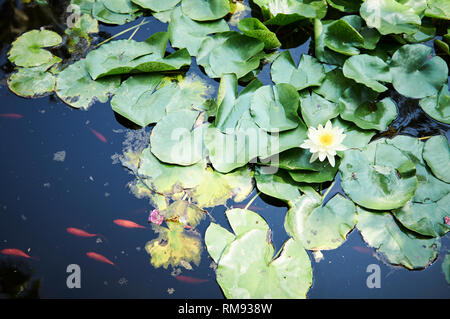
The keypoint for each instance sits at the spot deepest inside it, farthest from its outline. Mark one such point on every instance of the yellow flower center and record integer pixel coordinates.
(326, 139)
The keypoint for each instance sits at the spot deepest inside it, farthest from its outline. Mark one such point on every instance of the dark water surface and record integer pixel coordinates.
(41, 197)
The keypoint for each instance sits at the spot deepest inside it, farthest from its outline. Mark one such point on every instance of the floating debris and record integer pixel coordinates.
(46, 185)
(155, 217)
(59, 156)
(170, 291)
(318, 256)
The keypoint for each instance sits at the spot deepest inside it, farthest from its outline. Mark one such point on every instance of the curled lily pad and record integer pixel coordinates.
(28, 49)
(340, 36)
(75, 86)
(323, 53)
(283, 12)
(358, 105)
(187, 33)
(414, 74)
(438, 106)
(250, 254)
(157, 5)
(205, 10)
(437, 155)
(275, 108)
(174, 139)
(254, 28)
(129, 56)
(317, 110)
(318, 226)
(309, 72)
(380, 179)
(230, 52)
(400, 246)
(390, 16)
(368, 70)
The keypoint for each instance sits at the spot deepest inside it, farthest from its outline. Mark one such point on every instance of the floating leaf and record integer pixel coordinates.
(439, 9)
(308, 176)
(27, 50)
(82, 29)
(358, 105)
(187, 33)
(129, 56)
(279, 185)
(249, 255)
(334, 85)
(322, 52)
(274, 108)
(254, 28)
(157, 5)
(345, 5)
(438, 106)
(340, 36)
(75, 86)
(283, 12)
(414, 74)
(390, 16)
(368, 70)
(437, 155)
(386, 172)
(184, 212)
(173, 246)
(317, 110)
(355, 137)
(205, 10)
(299, 159)
(105, 15)
(400, 246)
(120, 6)
(309, 72)
(174, 139)
(318, 226)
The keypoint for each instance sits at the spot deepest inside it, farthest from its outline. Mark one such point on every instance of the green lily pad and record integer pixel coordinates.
(355, 137)
(283, 12)
(278, 185)
(298, 159)
(400, 246)
(322, 52)
(205, 10)
(75, 86)
(317, 110)
(414, 74)
(308, 176)
(340, 36)
(309, 72)
(385, 171)
(137, 100)
(250, 254)
(174, 140)
(105, 15)
(217, 239)
(129, 56)
(254, 28)
(274, 108)
(346, 5)
(368, 70)
(390, 16)
(437, 155)
(320, 227)
(157, 5)
(439, 9)
(358, 105)
(187, 33)
(28, 49)
(120, 6)
(438, 106)
(334, 85)
(230, 52)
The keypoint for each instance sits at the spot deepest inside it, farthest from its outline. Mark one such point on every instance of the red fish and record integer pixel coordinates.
(100, 258)
(82, 233)
(98, 135)
(363, 250)
(11, 116)
(127, 223)
(190, 280)
(14, 252)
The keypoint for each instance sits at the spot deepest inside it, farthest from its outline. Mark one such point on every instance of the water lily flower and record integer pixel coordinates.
(155, 217)
(323, 142)
(447, 220)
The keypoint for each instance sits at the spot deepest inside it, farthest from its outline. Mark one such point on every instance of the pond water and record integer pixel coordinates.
(56, 173)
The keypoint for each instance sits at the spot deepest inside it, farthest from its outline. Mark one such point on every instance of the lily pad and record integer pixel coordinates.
(346, 5)
(368, 70)
(252, 246)
(317, 110)
(381, 179)
(415, 75)
(28, 49)
(439, 9)
(358, 105)
(390, 16)
(308, 176)
(129, 56)
(334, 85)
(174, 140)
(446, 268)
(278, 185)
(322, 52)
(205, 10)
(105, 15)
(157, 5)
(254, 28)
(120, 6)
(275, 108)
(437, 155)
(318, 226)
(309, 72)
(187, 33)
(340, 36)
(283, 12)
(438, 106)
(400, 246)
(75, 86)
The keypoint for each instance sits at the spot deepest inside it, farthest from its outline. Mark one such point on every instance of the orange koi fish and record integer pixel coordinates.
(100, 258)
(14, 116)
(127, 223)
(82, 233)
(99, 136)
(190, 280)
(15, 252)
